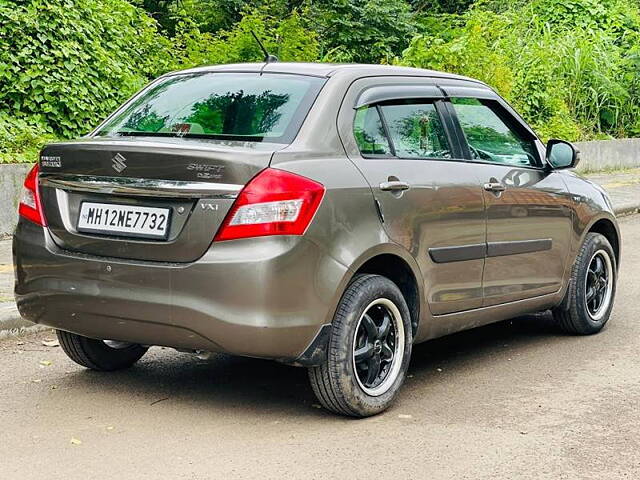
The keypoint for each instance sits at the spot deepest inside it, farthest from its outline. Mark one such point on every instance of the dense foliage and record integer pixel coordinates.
(65, 63)
(571, 67)
(363, 31)
(20, 140)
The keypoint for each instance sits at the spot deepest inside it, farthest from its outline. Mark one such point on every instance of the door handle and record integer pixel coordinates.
(394, 186)
(494, 187)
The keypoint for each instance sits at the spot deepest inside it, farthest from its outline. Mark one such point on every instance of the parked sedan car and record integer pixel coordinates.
(325, 216)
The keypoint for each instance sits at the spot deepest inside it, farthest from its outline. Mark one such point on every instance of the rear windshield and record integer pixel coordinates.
(228, 106)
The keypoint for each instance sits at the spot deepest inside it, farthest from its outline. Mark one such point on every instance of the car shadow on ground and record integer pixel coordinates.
(225, 383)
(480, 344)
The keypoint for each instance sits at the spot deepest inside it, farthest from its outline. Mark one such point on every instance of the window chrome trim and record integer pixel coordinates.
(139, 186)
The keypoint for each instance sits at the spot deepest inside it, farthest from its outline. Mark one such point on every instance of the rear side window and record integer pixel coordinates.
(416, 130)
(401, 129)
(369, 132)
(234, 106)
(490, 137)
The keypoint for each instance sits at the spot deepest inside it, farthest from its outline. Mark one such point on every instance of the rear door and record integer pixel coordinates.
(430, 200)
(528, 215)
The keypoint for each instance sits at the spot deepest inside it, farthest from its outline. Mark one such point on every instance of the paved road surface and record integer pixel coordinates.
(622, 186)
(515, 400)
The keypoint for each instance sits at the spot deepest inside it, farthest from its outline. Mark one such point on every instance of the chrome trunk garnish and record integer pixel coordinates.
(140, 186)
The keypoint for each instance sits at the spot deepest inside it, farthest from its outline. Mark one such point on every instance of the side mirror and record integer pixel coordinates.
(561, 154)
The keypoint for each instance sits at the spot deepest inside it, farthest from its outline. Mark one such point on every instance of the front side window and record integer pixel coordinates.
(233, 106)
(489, 137)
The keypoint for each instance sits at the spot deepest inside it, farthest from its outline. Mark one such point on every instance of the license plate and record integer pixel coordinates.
(124, 220)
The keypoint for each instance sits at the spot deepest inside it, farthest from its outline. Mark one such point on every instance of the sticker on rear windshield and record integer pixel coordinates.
(47, 161)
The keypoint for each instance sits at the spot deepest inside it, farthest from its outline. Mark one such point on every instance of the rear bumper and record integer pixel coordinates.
(264, 297)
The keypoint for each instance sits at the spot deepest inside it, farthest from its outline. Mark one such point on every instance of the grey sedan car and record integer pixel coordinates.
(324, 216)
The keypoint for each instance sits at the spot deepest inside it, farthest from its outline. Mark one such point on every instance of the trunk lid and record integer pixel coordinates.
(197, 180)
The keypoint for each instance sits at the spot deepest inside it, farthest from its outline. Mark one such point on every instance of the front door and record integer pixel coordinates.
(528, 214)
(430, 200)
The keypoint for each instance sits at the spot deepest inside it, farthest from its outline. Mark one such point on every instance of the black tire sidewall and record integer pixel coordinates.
(110, 358)
(593, 243)
(96, 354)
(360, 293)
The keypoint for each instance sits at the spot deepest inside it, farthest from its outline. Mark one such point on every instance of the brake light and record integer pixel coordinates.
(274, 202)
(30, 205)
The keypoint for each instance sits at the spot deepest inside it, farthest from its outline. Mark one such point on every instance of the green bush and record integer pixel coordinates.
(364, 31)
(287, 38)
(68, 63)
(21, 140)
(571, 67)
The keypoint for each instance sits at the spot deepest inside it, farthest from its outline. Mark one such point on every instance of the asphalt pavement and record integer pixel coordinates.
(623, 188)
(513, 400)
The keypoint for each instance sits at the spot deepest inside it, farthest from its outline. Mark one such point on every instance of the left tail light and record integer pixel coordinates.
(30, 204)
(274, 202)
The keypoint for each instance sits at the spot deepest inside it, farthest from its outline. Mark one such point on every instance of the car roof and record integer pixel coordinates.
(329, 70)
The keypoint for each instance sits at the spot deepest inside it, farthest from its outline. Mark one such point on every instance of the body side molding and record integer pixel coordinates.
(499, 249)
(485, 250)
(458, 254)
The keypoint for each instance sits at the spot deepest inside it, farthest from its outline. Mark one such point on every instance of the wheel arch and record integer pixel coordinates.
(396, 265)
(607, 228)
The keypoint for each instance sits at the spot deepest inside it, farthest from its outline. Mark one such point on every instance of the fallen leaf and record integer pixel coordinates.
(45, 363)
(50, 343)
(75, 441)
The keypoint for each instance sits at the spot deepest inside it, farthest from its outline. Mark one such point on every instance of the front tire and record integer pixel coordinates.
(592, 288)
(101, 355)
(369, 349)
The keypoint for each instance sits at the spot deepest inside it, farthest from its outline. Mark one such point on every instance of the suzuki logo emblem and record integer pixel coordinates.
(118, 163)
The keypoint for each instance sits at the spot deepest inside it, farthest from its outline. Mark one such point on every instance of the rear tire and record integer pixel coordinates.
(591, 290)
(369, 349)
(98, 355)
